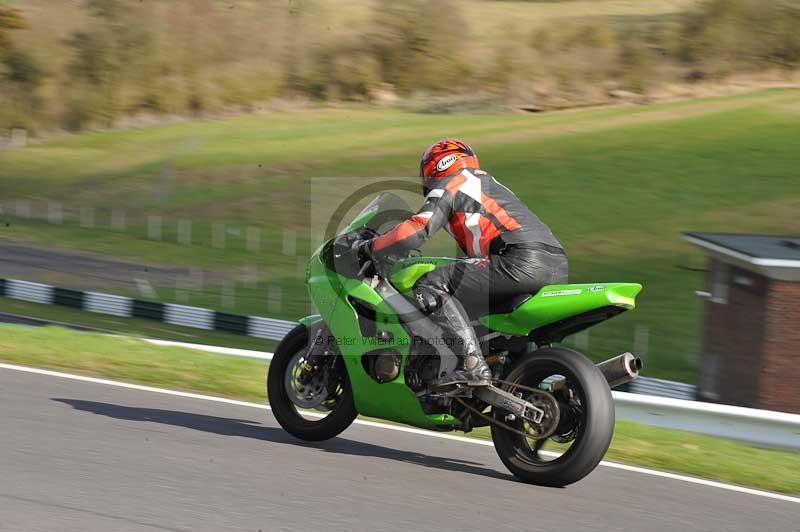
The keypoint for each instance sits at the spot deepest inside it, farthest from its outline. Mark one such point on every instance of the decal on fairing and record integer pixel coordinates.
(573, 292)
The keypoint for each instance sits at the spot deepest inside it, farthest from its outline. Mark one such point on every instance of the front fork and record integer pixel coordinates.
(317, 350)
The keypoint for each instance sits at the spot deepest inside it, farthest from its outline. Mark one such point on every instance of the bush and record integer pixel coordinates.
(105, 56)
(345, 72)
(22, 70)
(20, 74)
(421, 45)
(728, 35)
(22, 78)
(577, 56)
(10, 19)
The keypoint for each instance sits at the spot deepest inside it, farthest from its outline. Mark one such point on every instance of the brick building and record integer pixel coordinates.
(751, 336)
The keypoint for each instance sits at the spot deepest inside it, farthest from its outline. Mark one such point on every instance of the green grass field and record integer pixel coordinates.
(132, 360)
(616, 184)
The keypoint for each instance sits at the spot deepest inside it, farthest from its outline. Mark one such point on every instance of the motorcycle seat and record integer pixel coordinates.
(508, 305)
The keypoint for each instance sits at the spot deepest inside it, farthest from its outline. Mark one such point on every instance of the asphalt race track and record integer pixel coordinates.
(85, 270)
(84, 456)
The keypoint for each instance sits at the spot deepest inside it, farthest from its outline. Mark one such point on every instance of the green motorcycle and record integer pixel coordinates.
(369, 352)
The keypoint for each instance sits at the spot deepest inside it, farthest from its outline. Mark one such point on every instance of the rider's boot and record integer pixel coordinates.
(473, 369)
(459, 336)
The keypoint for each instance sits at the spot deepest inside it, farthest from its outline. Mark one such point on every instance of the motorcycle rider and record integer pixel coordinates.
(510, 252)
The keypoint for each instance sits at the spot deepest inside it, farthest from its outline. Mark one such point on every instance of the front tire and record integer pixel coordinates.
(339, 418)
(591, 434)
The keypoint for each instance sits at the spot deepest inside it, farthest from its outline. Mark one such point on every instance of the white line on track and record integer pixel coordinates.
(212, 349)
(473, 441)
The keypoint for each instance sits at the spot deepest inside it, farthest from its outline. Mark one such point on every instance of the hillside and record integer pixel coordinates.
(106, 63)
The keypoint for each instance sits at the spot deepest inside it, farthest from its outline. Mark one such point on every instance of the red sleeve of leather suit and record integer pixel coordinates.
(413, 232)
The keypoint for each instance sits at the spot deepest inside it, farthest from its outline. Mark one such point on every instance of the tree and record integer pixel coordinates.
(107, 56)
(10, 19)
(20, 74)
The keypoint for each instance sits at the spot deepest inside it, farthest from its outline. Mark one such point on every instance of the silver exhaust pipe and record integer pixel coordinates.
(620, 369)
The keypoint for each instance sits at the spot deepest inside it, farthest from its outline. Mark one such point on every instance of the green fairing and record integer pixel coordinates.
(308, 321)
(556, 302)
(392, 400)
(405, 273)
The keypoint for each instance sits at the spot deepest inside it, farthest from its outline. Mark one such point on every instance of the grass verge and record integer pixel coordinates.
(132, 360)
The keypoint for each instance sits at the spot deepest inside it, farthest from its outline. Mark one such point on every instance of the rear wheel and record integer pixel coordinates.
(585, 419)
(312, 409)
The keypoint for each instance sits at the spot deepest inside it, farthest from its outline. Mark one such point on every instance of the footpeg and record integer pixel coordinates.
(458, 390)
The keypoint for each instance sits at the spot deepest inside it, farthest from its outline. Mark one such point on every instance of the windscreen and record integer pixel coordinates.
(381, 214)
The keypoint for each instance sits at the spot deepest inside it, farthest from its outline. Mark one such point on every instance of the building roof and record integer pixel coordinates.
(766, 253)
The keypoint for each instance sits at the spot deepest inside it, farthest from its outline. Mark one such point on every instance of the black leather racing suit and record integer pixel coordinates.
(510, 252)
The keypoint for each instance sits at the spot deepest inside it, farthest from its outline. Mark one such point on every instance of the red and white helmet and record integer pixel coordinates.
(446, 157)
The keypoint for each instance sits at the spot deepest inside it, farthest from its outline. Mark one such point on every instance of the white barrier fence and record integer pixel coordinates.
(199, 318)
(174, 314)
(663, 388)
(108, 304)
(764, 427)
(28, 291)
(269, 328)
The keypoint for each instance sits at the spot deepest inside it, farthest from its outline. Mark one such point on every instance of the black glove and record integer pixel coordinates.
(368, 265)
(353, 252)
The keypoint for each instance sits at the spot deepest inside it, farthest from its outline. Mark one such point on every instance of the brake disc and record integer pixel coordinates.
(311, 394)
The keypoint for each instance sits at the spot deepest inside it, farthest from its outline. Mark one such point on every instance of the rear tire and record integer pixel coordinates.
(286, 412)
(596, 425)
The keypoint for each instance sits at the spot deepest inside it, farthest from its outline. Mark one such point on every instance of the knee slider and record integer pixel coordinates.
(429, 299)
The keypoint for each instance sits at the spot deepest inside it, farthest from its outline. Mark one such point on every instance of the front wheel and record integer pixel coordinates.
(583, 431)
(312, 409)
